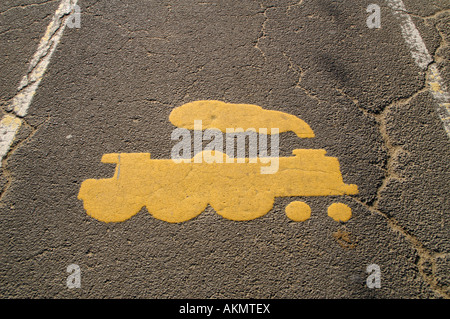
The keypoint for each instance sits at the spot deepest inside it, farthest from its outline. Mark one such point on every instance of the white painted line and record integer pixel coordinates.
(39, 63)
(424, 60)
(20, 103)
(411, 35)
(441, 96)
(9, 125)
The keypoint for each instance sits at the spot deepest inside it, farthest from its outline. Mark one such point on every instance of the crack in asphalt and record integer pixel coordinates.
(392, 151)
(262, 32)
(425, 256)
(432, 16)
(26, 25)
(300, 73)
(27, 6)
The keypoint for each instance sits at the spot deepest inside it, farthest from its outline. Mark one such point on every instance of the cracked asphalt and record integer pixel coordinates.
(110, 87)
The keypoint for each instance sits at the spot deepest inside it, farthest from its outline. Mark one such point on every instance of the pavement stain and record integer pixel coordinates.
(345, 239)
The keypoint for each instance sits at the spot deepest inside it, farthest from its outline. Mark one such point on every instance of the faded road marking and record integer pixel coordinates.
(411, 35)
(39, 63)
(440, 95)
(9, 125)
(36, 69)
(423, 59)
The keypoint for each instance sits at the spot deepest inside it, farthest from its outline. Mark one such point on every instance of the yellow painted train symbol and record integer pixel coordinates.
(234, 187)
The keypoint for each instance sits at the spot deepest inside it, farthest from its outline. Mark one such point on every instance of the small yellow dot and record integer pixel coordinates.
(340, 212)
(298, 211)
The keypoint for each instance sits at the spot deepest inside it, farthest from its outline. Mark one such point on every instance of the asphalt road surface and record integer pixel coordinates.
(375, 98)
